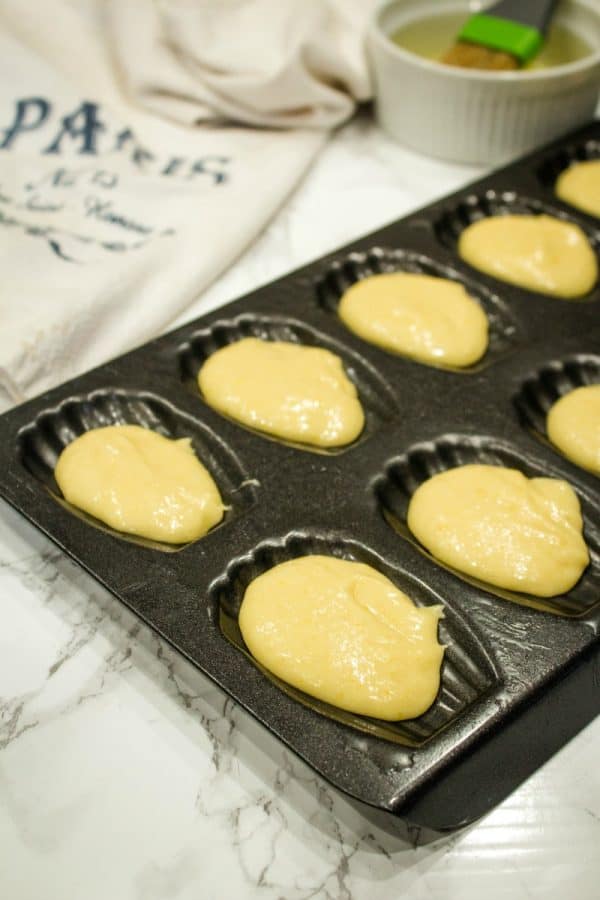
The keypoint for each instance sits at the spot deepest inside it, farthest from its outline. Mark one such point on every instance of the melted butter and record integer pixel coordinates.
(500, 527)
(541, 253)
(298, 393)
(342, 632)
(430, 319)
(431, 36)
(139, 482)
(579, 185)
(573, 425)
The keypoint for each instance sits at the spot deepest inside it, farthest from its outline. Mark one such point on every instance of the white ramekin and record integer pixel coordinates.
(473, 116)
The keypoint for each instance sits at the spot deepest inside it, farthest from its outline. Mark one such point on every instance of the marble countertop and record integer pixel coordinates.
(125, 774)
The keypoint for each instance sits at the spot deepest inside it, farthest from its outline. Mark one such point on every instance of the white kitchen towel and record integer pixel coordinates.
(115, 210)
(296, 63)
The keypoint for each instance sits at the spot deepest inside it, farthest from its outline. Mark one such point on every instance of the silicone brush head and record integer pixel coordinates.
(506, 39)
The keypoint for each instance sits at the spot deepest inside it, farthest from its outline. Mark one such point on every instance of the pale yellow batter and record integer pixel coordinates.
(141, 483)
(344, 633)
(430, 319)
(579, 185)
(298, 393)
(573, 425)
(503, 528)
(541, 253)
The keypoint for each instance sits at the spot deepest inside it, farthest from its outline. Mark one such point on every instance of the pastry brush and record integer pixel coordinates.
(505, 36)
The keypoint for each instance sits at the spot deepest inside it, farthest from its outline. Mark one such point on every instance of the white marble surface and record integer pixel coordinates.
(125, 774)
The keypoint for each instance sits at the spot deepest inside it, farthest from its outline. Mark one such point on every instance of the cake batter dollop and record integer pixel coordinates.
(573, 425)
(540, 253)
(433, 320)
(579, 185)
(497, 525)
(344, 633)
(298, 393)
(139, 482)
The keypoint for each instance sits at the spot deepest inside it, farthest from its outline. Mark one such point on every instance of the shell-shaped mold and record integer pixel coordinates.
(41, 442)
(375, 394)
(453, 221)
(468, 671)
(540, 391)
(404, 474)
(556, 163)
(342, 274)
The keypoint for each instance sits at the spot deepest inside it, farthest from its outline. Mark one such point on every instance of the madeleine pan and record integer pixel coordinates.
(521, 675)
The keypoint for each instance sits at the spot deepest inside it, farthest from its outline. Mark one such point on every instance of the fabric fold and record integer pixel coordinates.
(277, 63)
(123, 191)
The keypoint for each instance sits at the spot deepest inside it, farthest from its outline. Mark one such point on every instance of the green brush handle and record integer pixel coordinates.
(511, 26)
